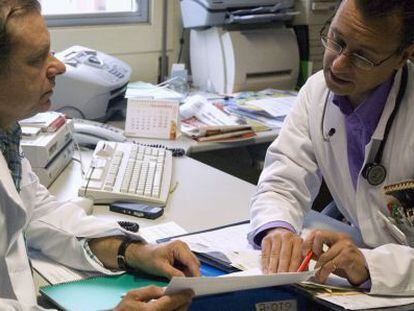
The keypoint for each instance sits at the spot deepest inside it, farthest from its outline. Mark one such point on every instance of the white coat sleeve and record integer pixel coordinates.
(391, 269)
(14, 305)
(290, 179)
(56, 228)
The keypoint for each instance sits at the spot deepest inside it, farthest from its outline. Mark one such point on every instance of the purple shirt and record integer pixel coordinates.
(360, 124)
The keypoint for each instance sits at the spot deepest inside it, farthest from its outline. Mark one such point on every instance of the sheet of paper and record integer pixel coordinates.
(217, 285)
(230, 241)
(147, 90)
(161, 231)
(361, 301)
(199, 107)
(276, 107)
(56, 273)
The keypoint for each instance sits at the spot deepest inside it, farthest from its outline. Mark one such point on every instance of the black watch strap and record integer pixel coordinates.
(121, 258)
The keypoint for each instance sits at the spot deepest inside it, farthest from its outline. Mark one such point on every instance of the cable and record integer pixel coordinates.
(182, 41)
(129, 226)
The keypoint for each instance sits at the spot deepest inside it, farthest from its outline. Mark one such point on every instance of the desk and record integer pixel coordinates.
(228, 197)
(205, 197)
(191, 146)
(250, 153)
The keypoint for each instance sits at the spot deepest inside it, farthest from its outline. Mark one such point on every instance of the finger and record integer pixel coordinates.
(321, 238)
(266, 249)
(184, 255)
(274, 258)
(296, 258)
(330, 254)
(285, 255)
(167, 270)
(330, 261)
(308, 244)
(172, 302)
(328, 268)
(146, 293)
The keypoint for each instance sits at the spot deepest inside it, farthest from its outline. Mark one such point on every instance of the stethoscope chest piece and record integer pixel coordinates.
(374, 173)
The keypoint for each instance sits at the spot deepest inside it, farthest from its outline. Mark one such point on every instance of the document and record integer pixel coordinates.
(161, 231)
(274, 106)
(230, 242)
(205, 121)
(141, 89)
(355, 300)
(55, 273)
(234, 282)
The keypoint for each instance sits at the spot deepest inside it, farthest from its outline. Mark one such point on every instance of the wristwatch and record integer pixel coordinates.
(122, 263)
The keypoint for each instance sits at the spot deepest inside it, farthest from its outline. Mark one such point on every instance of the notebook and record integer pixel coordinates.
(97, 293)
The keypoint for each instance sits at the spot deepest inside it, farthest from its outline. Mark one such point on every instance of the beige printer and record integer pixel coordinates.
(241, 45)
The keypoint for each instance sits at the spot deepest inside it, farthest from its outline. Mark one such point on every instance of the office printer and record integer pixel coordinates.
(241, 45)
(93, 83)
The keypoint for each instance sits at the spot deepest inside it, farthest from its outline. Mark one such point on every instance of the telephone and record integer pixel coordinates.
(88, 133)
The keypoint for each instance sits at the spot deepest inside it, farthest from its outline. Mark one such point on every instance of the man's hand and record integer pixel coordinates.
(151, 299)
(281, 251)
(168, 260)
(343, 257)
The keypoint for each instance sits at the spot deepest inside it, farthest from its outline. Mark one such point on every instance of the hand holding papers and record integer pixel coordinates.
(235, 282)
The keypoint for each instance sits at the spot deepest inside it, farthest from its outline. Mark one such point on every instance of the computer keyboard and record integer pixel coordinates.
(128, 172)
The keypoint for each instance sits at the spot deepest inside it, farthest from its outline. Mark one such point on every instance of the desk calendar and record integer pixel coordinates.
(151, 118)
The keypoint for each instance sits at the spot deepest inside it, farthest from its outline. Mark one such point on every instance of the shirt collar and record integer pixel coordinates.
(11, 135)
(370, 110)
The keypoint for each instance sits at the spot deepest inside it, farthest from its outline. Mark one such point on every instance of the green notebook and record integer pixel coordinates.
(96, 293)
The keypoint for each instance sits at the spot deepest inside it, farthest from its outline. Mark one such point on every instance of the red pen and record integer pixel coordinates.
(305, 261)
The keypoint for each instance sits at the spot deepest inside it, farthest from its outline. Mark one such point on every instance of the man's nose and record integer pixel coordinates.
(56, 67)
(342, 61)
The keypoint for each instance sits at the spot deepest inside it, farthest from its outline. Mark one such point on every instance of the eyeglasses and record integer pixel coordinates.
(357, 60)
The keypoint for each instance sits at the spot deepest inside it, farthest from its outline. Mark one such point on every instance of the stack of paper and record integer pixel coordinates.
(268, 107)
(150, 91)
(45, 121)
(204, 121)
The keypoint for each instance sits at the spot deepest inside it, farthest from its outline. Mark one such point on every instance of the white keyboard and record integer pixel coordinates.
(128, 172)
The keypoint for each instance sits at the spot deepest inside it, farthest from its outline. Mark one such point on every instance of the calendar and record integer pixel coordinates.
(152, 118)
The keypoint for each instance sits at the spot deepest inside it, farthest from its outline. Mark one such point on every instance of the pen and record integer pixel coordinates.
(305, 261)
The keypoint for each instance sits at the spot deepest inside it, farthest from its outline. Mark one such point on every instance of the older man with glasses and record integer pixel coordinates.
(352, 125)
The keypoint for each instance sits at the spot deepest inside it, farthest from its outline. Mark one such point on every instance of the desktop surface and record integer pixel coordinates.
(205, 197)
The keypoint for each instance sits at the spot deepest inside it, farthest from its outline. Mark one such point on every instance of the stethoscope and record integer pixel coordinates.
(374, 172)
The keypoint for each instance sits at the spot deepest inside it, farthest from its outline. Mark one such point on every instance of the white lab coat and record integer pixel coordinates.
(298, 158)
(49, 226)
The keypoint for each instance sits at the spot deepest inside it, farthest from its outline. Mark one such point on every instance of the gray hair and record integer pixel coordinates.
(10, 9)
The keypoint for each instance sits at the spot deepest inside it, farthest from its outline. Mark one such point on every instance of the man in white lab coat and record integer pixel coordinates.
(334, 131)
(29, 215)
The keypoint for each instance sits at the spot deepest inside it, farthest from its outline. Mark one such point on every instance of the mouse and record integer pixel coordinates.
(85, 203)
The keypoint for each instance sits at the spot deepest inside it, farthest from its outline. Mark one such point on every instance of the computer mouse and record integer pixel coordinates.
(85, 203)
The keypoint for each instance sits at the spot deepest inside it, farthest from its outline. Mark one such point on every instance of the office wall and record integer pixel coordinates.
(139, 45)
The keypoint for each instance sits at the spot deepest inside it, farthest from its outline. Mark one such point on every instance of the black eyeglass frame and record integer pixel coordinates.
(370, 64)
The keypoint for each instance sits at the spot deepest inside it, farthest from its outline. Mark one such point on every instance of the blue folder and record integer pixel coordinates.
(104, 292)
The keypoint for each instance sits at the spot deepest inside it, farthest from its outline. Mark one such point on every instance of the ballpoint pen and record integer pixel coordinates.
(305, 261)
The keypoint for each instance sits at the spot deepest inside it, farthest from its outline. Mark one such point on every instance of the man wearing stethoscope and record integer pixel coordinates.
(353, 125)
